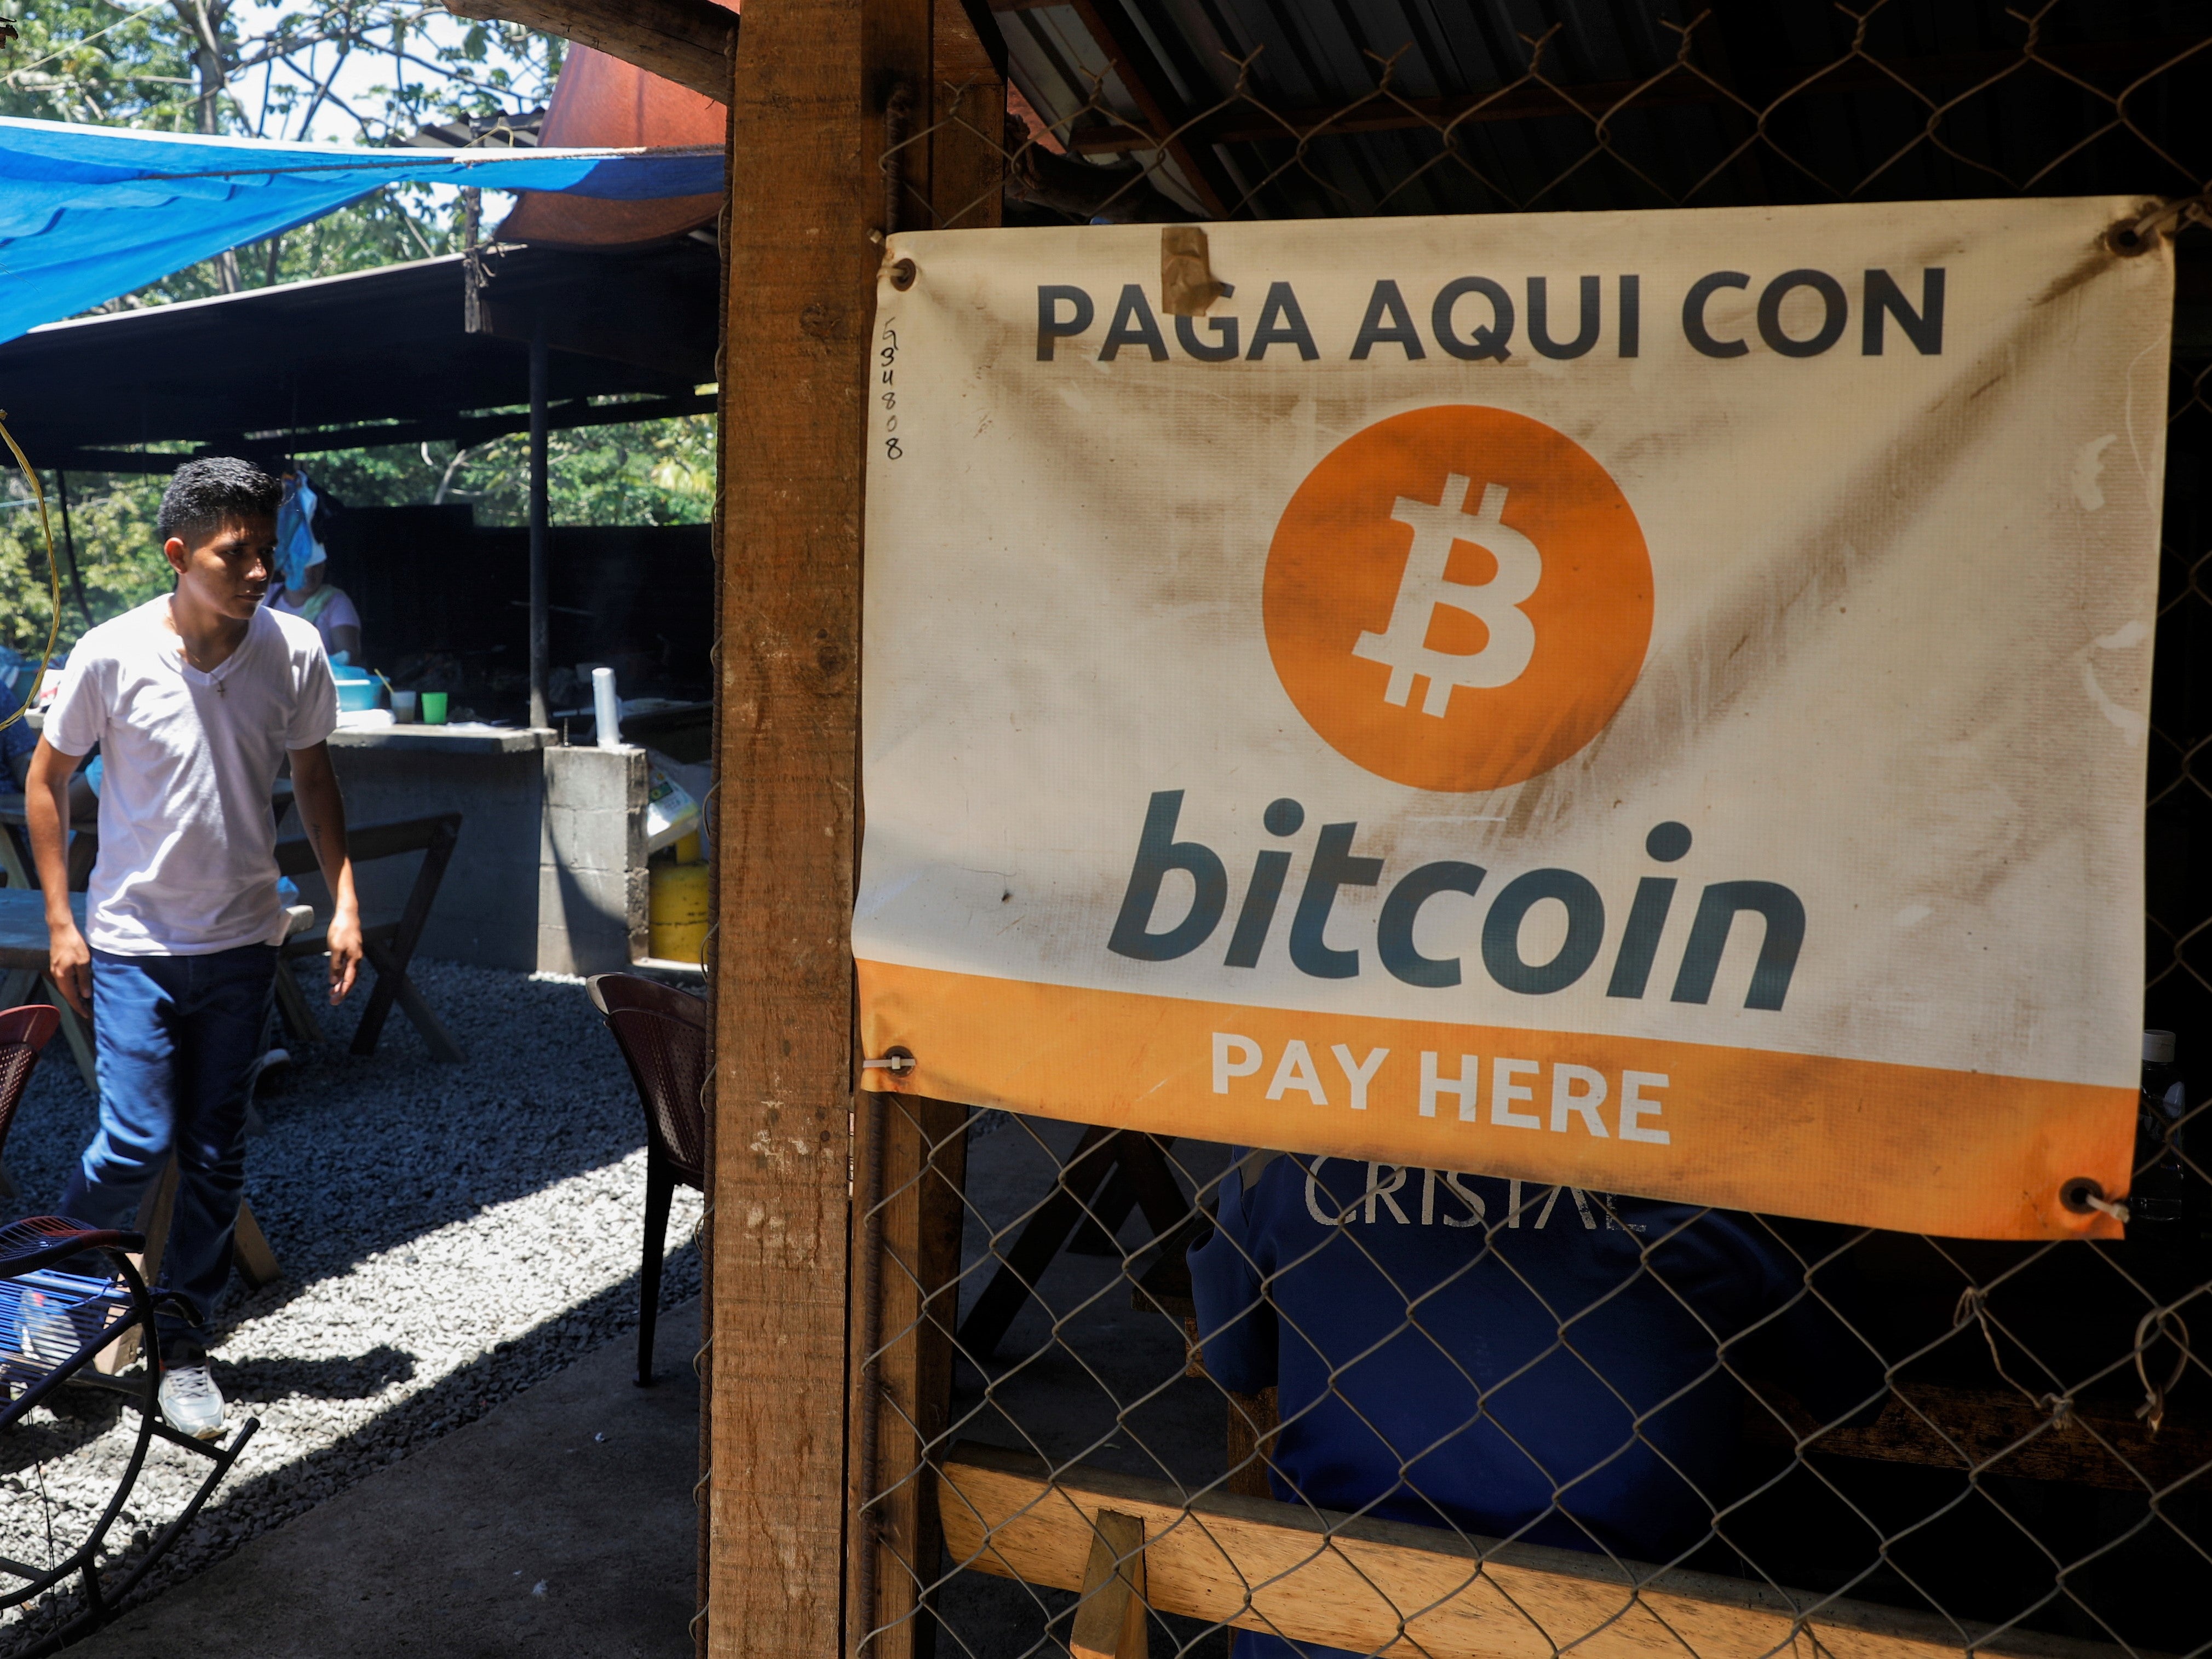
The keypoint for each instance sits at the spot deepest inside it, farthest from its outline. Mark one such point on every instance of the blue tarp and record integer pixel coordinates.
(88, 213)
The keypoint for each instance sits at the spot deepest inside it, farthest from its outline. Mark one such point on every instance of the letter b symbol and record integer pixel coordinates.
(1157, 853)
(1520, 602)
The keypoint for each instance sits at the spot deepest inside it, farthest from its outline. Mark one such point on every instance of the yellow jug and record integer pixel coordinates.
(679, 912)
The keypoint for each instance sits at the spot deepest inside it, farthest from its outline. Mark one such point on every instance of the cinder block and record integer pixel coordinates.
(584, 921)
(640, 891)
(605, 780)
(583, 899)
(577, 839)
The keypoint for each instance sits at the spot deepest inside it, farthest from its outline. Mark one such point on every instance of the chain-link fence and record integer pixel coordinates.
(1114, 1387)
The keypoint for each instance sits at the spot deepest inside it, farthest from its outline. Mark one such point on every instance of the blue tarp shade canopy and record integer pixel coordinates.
(88, 213)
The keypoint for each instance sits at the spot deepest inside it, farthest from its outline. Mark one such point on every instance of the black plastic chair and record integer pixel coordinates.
(662, 1033)
(56, 1318)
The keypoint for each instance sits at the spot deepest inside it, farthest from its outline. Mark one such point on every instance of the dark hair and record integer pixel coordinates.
(206, 492)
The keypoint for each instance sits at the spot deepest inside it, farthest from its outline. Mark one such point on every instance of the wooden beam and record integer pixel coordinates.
(952, 175)
(903, 1355)
(807, 111)
(967, 155)
(466, 430)
(703, 1363)
(1390, 1589)
(687, 42)
(1109, 29)
(1109, 1620)
(1253, 1425)
(2001, 1432)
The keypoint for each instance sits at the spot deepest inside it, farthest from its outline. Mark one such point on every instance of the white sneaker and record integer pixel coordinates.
(191, 1402)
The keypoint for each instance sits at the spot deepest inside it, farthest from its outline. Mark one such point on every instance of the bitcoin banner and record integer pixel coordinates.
(1653, 703)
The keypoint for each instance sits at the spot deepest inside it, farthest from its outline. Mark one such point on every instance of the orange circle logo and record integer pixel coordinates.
(1458, 598)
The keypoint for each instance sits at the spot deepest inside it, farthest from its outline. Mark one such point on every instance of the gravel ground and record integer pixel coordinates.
(449, 1235)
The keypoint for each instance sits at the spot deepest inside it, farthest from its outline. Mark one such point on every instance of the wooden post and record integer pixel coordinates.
(811, 81)
(1109, 1620)
(702, 1492)
(901, 1409)
(950, 176)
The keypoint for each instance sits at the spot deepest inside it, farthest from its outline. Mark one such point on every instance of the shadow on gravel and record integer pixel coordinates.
(510, 1369)
(363, 1155)
(345, 1377)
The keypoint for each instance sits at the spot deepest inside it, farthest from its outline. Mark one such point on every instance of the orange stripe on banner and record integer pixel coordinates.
(1910, 1147)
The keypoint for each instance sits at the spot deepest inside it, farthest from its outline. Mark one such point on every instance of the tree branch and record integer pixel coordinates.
(687, 42)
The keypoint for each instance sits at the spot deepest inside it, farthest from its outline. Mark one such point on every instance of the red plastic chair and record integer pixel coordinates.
(23, 1032)
(662, 1033)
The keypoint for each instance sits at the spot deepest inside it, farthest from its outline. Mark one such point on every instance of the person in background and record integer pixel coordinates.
(304, 589)
(195, 700)
(1536, 1363)
(315, 600)
(17, 739)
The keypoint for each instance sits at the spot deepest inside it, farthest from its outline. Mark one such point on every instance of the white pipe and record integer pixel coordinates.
(606, 708)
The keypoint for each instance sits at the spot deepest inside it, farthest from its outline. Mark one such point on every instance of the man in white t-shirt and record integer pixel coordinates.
(195, 699)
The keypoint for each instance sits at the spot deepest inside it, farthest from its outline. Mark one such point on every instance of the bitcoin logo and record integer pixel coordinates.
(1477, 558)
(1427, 586)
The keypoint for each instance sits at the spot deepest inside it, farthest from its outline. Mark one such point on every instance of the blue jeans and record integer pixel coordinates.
(177, 1038)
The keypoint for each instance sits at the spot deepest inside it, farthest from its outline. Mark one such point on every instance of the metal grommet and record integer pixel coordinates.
(898, 1061)
(2128, 238)
(2076, 1194)
(903, 275)
(2083, 1196)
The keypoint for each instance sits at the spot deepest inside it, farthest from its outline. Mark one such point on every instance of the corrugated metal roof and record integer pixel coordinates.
(1304, 107)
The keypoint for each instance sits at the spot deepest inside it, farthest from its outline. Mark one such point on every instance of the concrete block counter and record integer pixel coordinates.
(550, 872)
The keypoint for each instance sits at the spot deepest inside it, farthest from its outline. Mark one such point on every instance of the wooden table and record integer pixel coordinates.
(389, 946)
(14, 854)
(23, 957)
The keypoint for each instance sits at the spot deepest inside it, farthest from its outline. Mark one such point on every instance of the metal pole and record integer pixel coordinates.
(541, 527)
(68, 545)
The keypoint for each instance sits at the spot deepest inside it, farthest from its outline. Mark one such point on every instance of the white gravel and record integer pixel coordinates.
(449, 1235)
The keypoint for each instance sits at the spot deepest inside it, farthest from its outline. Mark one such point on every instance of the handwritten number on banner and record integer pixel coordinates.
(889, 356)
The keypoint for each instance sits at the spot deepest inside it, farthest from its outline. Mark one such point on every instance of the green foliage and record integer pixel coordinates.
(81, 61)
(111, 523)
(97, 62)
(137, 76)
(644, 472)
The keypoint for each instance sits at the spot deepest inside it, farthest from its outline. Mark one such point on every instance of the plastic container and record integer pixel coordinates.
(670, 813)
(677, 911)
(434, 707)
(357, 688)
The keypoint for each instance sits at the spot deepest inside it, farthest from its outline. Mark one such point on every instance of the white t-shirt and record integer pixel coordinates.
(187, 847)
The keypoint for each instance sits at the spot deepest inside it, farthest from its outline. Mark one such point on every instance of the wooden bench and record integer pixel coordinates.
(84, 838)
(1386, 1587)
(389, 945)
(25, 954)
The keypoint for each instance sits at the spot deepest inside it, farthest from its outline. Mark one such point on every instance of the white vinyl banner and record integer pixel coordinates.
(1651, 702)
